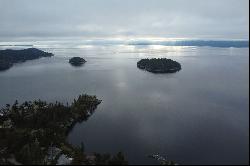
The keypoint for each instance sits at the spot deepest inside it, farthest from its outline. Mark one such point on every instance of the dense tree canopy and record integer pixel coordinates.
(31, 130)
(77, 61)
(9, 57)
(162, 65)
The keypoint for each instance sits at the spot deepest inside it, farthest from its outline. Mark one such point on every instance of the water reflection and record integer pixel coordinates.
(196, 116)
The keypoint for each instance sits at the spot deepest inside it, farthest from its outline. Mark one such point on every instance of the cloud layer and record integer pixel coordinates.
(43, 19)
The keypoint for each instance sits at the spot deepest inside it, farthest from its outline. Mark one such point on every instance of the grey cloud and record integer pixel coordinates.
(135, 18)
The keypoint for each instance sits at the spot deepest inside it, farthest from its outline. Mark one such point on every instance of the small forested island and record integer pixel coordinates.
(9, 57)
(35, 133)
(77, 61)
(161, 65)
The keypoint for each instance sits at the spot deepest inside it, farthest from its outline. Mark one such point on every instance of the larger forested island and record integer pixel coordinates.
(161, 65)
(9, 57)
(35, 133)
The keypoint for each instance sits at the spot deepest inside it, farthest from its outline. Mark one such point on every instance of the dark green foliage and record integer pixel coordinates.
(4, 65)
(118, 159)
(162, 65)
(9, 57)
(31, 153)
(78, 157)
(77, 61)
(82, 147)
(107, 159)
(102, 159)
(34, 126)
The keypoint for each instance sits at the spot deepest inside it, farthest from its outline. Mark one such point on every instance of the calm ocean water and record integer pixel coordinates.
(199, 115)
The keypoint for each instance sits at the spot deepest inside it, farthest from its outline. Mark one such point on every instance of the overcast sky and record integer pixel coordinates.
(45, 19)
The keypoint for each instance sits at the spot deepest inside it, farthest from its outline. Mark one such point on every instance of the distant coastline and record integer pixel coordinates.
(135, 42)
(16, 45)
(198, 43)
